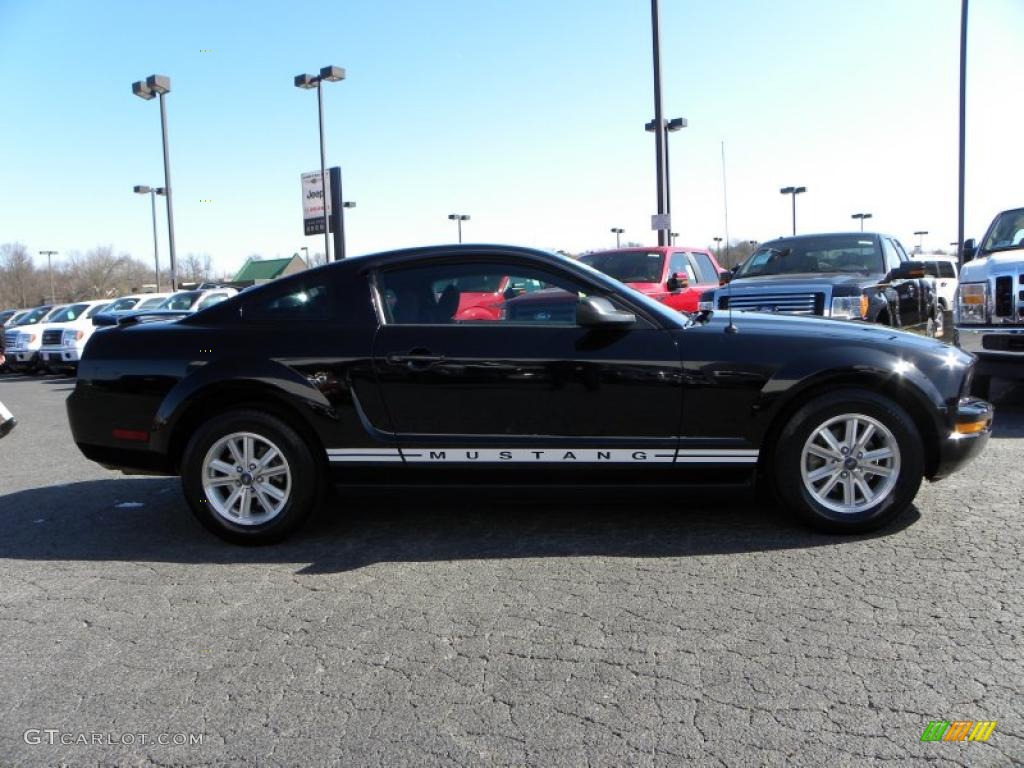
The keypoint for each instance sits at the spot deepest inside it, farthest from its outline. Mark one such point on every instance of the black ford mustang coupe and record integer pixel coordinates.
(359, 373)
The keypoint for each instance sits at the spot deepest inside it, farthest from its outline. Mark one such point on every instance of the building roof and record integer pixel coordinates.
(263, 269)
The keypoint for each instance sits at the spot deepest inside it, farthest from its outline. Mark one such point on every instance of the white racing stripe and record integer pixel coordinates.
(545, 455)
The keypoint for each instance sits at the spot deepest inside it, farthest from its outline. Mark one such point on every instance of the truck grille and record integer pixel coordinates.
(11, 339)
(52, 337)
(1007, 302)
(789, 303)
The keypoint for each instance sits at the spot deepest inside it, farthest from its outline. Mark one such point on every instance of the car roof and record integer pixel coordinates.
(815, 235)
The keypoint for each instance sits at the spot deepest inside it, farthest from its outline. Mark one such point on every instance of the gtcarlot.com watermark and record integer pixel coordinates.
(55, 736)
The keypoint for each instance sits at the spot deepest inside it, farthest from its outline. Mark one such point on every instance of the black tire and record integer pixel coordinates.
(981, 386)
(786, 468)
(305, 486)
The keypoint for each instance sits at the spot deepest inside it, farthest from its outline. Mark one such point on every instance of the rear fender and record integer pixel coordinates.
(260, 376)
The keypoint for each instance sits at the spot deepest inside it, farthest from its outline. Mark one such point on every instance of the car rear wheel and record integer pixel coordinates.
(249, 477)
(849, 461)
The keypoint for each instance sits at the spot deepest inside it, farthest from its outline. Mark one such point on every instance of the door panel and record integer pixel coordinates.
(486, 380)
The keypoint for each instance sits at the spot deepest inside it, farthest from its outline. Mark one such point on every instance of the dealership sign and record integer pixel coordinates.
(313, 203)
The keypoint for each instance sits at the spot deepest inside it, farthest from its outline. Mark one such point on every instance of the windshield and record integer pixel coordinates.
(1006, 233)
(815, 255)
(183, 300)
(33, 316)
(628, 266)
(68, 314)
(121, 305)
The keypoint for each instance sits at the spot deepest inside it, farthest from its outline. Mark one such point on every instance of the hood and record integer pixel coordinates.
(998, 263)
(801, 282)
(818, 328)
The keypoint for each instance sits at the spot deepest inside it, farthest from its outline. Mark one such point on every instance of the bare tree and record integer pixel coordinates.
(195, 268)
(21, 284)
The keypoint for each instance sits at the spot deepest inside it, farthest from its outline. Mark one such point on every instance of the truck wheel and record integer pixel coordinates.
(249, 477)
(981, 386)
(849, 461)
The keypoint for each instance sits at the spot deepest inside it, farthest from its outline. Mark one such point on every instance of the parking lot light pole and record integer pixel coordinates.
(141, 189)
(306, 249)
(861, 216)
(669, 126)
(794, 191)
(151, 87)
(718, 247)
(49, 268)
(618, 231)
(459, 218)
(332, 75)
(672, 237)
(920, 239)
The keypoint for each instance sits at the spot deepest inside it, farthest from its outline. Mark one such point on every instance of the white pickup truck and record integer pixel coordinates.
(990, 301)
(65, 334)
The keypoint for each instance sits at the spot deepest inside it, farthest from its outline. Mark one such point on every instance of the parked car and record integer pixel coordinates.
(990, 300)
(677, 277)
(24, 339)
(196, 300)
(359, 373)
(171, 306)
(847, 276)
(136, 302)
(6, 315)
(946, 271)
(65, 334)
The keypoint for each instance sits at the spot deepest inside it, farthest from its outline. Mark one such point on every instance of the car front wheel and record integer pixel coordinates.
(249, 477)
(849, 461)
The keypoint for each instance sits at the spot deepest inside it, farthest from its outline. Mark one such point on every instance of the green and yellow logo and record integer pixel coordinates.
(958, 730)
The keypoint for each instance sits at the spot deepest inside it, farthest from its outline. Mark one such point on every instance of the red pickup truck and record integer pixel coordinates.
(672, 275)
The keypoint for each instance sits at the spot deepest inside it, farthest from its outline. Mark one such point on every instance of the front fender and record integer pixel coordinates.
(840, 364)
(258, 374)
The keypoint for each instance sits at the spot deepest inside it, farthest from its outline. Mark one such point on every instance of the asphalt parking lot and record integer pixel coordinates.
(501, 629)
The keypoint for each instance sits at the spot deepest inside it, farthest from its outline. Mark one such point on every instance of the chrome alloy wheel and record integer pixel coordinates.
(246, 479)
(850, 463)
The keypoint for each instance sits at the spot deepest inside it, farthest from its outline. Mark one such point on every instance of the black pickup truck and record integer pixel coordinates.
(848, 276)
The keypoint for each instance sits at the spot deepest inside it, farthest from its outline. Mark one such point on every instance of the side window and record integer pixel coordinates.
(303, 301)
(485, 292)
(704, 267)
(901, 251)
(946, 269)
(892, 258)
(680, 265)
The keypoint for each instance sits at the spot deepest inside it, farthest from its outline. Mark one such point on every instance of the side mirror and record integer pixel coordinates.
(101, 320)
(598, 312)
(970, 250)
(677, 282)
(727, 276)
(907, 270)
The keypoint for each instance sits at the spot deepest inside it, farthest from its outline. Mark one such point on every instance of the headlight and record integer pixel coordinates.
(849, 307)
(70, 337)
(972, 302)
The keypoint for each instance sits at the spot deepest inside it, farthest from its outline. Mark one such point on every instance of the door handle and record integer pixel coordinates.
(415, 359)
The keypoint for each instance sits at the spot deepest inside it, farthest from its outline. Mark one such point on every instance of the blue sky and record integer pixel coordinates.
(527, 115)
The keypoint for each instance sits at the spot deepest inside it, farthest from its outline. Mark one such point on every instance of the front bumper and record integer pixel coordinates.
(969, 438)
(20, 359)
(999, 349)
(59, 357)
